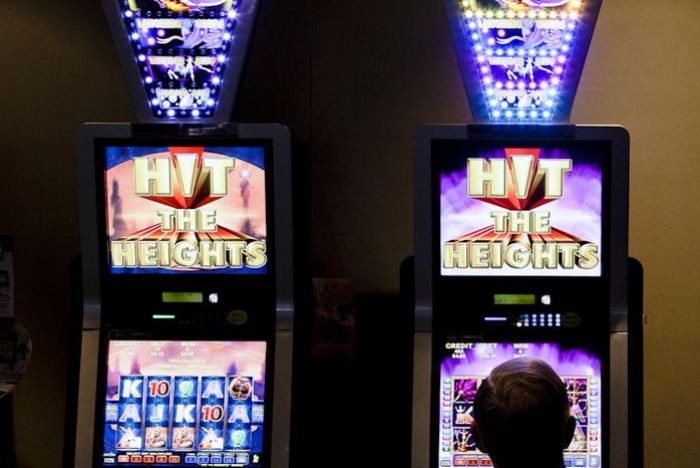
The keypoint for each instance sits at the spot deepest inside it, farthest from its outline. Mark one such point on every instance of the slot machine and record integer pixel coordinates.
(521, 240)
(187, 279)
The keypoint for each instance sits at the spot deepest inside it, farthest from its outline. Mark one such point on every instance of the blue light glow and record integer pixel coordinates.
(523, 55)
(182, 49)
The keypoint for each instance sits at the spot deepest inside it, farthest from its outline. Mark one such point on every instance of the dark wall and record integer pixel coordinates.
(352, 80)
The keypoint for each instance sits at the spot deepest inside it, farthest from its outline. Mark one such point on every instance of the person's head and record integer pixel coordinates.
(521, 413)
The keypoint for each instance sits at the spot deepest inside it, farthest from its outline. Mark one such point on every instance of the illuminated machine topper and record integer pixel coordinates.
(182, 58)
(184, 403)
(521, 60)
(185, 209)
(464, 365)
(533, 211)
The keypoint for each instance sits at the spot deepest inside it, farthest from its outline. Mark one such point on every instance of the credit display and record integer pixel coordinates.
(184, 403)
(464, 365)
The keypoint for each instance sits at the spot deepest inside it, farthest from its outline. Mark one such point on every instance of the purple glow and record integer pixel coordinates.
(578, 212)
(183, 47)
(526, 39)
(482, 357)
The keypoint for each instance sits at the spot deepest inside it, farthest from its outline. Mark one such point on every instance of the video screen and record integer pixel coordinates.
(520, 211)
(185, 209)
(464, 365)
(185, 403)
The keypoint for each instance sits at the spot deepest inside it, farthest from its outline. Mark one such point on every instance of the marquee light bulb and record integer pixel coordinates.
(181, 48)
(521, 50)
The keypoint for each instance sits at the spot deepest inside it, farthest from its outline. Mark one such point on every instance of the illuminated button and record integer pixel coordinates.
(571, 320)
(237, 317)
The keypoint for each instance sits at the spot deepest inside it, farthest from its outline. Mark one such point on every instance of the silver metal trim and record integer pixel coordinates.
(282, 409)
(284, 271)
(619, 401)
(89, 228)
(283, 206)
(87, 393)
(420, 434)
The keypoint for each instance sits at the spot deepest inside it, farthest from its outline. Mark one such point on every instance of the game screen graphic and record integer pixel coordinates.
(186, 209)
(182, 49)
(184, 403)
(464, 365)
(520, 211)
